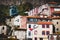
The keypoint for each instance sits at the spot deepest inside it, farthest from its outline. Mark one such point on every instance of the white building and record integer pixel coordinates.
(38, 28)
(56, 22)
(18, 25)
(55, 10)
(3, 29)
(45, 28)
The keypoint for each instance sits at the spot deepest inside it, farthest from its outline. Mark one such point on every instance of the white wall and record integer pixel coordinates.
(32, 26)
(17, 20)
(20, 34)
(54, 21)
(3, 31)
(10, 23)
(39, 32)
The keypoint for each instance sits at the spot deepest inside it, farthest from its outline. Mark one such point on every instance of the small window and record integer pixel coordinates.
(31, 20)
(43, 32)
(43, 26)
(10, 19)
(35, 20)
(57, 22)
(41, 38)
(29, 26)
(47, 26)
(35, 38)
(29, 33)
(57, 29)
(47, 32)
(17, 20)
(2, 28)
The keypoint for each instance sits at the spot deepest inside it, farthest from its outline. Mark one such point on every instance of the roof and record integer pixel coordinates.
(44, 23)
(46, 17)
(55, 17)
(56, 12)
(53, 2)
(54, 7)
(33, 16)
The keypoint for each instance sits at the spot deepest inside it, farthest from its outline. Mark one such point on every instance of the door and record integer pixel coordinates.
(41, 38)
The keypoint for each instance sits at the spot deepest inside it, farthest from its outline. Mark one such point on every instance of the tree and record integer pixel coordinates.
(24, 7)
(3, 13)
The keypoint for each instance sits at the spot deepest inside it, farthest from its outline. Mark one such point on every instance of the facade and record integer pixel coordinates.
(18, 25)
(3, 29)
(56, 22)
(54, 37)
(45, 28)
(20, 34)
(9, 21)
(56, 17)
(38, 27)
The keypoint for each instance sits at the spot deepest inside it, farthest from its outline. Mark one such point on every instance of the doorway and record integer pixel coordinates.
(41, 38)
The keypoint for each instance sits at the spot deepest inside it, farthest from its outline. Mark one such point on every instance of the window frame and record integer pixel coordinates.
(43, 25)
(47, 32)
(29, 26)
(43, 32)
(35, 38)
(29, 33)
(47, 26)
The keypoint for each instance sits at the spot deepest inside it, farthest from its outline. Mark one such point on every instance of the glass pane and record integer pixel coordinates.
(43, 26)
(43, 32)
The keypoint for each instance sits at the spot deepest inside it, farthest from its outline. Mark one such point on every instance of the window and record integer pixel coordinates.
(17, 20)
(35, 38)
(35, 20)
(29, 26)
(30, 19)
(57, 29)
(43, 26)
(29, 33)
(35, 32)
(10, 20)
(29, 39)
(41, 38)
(43, 32)
(47, 26)
(57, 22)
(47, 32)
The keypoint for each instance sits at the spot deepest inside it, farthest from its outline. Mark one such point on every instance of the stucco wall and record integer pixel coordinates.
(54, 21)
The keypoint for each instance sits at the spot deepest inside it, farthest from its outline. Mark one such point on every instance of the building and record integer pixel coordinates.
(54, 37)
(3, 29)
(56, 21)
(55, 10)
(38, 27)
(18, 26)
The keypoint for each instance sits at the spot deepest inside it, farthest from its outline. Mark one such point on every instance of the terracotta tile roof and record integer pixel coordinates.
(55, 17)
(56, 12)
(52, 3)
(49, 17)
(54, 7)
(44, 22)
(33, 16)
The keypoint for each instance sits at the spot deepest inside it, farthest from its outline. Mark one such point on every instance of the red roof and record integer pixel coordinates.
(52, 3)
(55, 17)
(44, 22)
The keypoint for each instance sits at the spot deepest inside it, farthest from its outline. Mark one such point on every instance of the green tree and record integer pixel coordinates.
(24, 7)
(3, 13)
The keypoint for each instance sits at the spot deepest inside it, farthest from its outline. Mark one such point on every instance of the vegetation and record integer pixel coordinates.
(24, 7)
(3, 13)
(4, 10)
